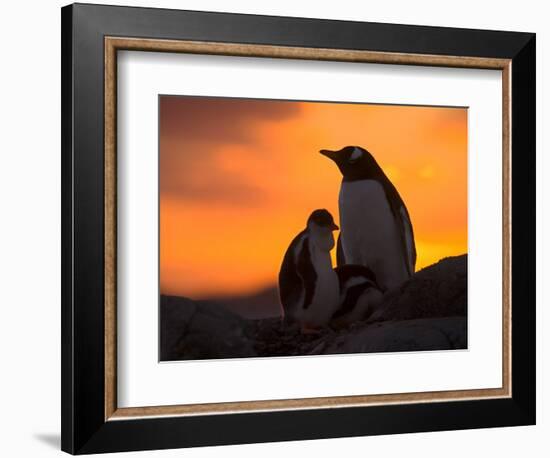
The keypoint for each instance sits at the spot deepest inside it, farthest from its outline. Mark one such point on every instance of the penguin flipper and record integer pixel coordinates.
(307, 273)
(404, 224)
(350, 300)
(408, 236)
(340, 257)
(290, 283)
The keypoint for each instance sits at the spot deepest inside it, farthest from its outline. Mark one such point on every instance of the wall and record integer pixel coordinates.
(30, 230)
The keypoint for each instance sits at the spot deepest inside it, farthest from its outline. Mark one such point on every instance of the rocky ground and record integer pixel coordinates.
(426, 313)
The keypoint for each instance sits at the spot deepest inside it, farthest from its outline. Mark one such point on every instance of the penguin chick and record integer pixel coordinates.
(308, 284)
(376, 228)
(360, 295)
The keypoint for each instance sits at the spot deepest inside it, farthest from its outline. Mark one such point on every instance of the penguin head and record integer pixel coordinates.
(354, 162)
(320, 226)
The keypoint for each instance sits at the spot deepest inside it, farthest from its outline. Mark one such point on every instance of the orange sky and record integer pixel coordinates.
(238, 179)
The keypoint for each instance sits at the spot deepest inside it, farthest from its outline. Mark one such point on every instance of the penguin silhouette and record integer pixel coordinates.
(376, 228)
(308, 284)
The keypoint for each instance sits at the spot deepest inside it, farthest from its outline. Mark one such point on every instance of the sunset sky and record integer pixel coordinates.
(239, 177)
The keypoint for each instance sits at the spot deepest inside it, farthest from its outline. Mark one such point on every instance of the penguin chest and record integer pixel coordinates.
(327, 290)
(367, 222)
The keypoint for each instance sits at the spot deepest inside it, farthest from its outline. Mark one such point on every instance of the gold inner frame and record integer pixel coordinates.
(112, 45)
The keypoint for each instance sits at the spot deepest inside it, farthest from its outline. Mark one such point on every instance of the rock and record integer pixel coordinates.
(175, 315)
(410, 335)
(261, 304)
(318, 349)
(428, 312)
(200, 330)
(439, 290)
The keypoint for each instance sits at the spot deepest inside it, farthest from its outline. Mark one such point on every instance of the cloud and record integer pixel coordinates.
(219, 119)
(214, 188)
(195, 130)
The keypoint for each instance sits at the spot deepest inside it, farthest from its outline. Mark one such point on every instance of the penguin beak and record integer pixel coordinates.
(334, 227)
(328, 153)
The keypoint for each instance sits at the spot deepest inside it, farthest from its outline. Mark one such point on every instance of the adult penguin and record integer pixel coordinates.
(308, 285)
(376, 230)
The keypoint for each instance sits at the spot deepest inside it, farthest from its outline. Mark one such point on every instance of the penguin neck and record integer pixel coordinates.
(320, 256)
(370, 172)
(361, 177)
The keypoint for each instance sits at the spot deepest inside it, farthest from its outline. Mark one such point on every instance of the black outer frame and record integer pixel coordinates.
(84, 429)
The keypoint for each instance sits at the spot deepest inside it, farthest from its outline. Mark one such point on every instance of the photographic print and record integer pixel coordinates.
(295, 228)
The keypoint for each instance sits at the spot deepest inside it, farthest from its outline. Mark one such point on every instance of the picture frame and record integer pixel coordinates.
(92, 35)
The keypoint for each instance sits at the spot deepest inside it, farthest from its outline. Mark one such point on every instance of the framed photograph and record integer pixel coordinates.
(285, 228)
